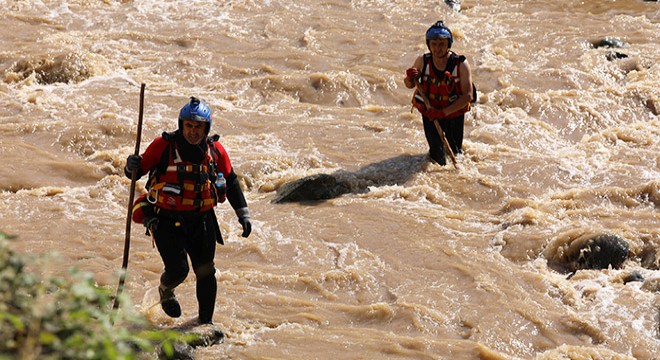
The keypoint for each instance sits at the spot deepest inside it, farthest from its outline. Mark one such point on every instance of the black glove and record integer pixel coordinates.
(151, 223)
(134, 162)
(244, 219)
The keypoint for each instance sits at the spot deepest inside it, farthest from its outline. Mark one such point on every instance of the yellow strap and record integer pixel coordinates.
(191, 187)
(192, 202)
(188, 168)
(186, 186)
(439, 97)
(205, 202)
(139, 205)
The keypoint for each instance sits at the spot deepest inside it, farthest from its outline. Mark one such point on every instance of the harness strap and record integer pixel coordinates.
(197, 202)
(189, 187)
(178, 215)
(440, 97)
(188, 168)
(194, 202)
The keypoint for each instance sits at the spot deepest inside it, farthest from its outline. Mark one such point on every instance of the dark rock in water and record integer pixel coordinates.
(633, 276)
(396, 170)
(63, 68)
(589, 252)
(610, 42)
(180, 351)
(615, 55)
(311, 188)
(601, 252)
(206, 335)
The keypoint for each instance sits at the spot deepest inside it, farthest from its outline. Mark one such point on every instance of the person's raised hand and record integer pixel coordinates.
(412, 73)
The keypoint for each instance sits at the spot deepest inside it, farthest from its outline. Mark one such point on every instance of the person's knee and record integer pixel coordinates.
(171, 279)
(205, 270)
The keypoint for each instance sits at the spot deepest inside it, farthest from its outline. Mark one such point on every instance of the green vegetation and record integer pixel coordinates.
(72, 318)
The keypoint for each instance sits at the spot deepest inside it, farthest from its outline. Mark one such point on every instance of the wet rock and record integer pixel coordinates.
(615, 55)
(310, 188)
(50, 69)
(632, 277)
(396, 170)
(609, 42)
(180, 351)
(602, 252)
(589, 252)
(207, 335)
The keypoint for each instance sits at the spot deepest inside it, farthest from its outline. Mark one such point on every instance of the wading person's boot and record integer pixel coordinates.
(169, 303)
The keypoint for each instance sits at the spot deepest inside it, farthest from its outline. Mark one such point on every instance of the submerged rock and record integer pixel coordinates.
(207, 335)
(396, 170)
(49, 69)
(609, 42)
(590, 252)
(310, 188)
(615, 55)
(602, 252)
(634, 276)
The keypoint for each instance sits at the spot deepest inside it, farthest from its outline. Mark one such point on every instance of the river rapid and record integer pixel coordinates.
(417, 261)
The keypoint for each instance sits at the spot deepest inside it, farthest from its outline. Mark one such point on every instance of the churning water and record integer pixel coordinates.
(418, 260)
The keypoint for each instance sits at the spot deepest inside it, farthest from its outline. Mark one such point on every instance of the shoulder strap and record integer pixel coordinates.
(451, 64)
(427, 60)
(161, 167)
(168, 136)
(453, 61)
(164, 161)
(215, 153)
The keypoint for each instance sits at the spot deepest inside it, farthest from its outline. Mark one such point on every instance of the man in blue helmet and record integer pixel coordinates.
(189, 174)
(446, 80)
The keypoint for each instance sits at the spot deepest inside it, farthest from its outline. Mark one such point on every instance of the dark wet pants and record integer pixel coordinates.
(453, 129)
(191, 236)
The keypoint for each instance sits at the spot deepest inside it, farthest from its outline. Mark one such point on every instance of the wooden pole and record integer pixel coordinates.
(448, 149)
(131, 196)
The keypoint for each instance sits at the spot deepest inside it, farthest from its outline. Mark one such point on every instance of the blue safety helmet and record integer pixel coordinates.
(195, 110)
(439, 31)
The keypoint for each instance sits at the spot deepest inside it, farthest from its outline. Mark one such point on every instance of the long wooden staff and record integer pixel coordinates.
(437, 126)
(131, 196)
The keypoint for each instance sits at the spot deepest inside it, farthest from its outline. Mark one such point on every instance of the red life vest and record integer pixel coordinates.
(444, 88)
(185, 186)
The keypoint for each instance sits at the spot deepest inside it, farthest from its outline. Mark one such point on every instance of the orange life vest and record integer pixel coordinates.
(444, 88)
(185, 186)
